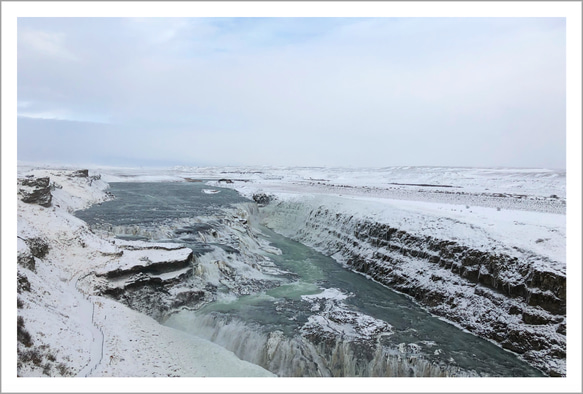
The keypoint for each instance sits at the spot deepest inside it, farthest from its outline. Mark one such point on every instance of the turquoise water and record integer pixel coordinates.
(246, 324)
(143, 203)
(411, 324)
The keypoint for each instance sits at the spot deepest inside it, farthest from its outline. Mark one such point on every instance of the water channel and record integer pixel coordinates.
(269, 327)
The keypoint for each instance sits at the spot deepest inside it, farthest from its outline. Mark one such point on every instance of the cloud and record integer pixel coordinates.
(362, 91)
(45, 44)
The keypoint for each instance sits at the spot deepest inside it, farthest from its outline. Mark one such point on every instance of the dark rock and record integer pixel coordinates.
(471, 274)
(149, 295)
(558, 353)
(142, 286)
(55, 186)
(36, 182)
(188, 298)
(534, 318)
(23, 283)
(80, 173)
(153, 268)
(522, 341)
(262, 198)
(36, 191)
(432, 298)
(38, 247)
(26, 260)
(550, 281)
(22, 335)
(225, 180)
(148, 299)
(548, 302)
(514, 310)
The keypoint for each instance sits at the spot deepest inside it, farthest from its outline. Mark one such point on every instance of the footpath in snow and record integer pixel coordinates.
(65, 330)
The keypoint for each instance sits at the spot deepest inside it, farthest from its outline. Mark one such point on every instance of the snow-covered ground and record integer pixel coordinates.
(515, 211)
(69, 332)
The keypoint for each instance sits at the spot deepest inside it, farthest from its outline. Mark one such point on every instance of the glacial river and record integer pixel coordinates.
(269, 327)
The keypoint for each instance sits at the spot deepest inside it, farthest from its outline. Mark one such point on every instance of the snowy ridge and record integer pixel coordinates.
(504, 188)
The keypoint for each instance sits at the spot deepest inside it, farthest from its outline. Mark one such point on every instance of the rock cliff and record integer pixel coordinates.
(516, 299)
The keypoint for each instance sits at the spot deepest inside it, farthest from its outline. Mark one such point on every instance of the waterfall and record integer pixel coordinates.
(299, 355)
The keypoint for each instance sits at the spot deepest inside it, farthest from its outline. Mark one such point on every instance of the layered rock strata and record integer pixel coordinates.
(517, 301)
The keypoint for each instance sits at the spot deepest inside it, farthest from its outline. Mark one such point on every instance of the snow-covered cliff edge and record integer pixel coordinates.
(64, 327)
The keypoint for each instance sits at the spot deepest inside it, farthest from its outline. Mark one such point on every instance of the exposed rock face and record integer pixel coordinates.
(23, 283)
(80, 173)
(35, 191)
(38, 247)
(28, 249)
(149, 279)
(262, 199)
(519, 303)
(26, 259)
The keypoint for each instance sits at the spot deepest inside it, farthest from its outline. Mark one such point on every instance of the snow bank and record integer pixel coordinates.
(136, 345)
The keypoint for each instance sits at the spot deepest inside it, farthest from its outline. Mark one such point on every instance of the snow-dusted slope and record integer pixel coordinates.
(64, 330)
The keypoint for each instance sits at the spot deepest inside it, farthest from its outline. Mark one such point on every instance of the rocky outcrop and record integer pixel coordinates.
(80, 173)
(150, 278)
(134, 262)
(38, 246)
(23, 283)
(524, 278)
(29, 249)
(34, 190)
(25, 259)
(262, 199)
(518, 301)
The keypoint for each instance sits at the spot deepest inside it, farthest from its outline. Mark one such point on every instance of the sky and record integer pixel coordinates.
(348, 92)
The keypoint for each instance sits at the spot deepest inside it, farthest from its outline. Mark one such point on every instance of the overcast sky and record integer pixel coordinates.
(293, 91)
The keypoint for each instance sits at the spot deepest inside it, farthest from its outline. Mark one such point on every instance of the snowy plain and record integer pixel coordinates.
(398, 197)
